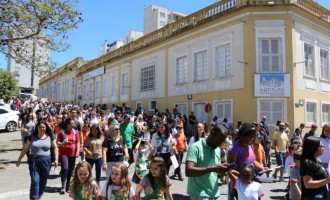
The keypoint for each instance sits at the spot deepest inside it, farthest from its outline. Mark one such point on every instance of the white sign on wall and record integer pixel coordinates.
(272, 85)
(94, 73)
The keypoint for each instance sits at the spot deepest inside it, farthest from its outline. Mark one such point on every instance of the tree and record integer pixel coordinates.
(8, 84)
(26, 25)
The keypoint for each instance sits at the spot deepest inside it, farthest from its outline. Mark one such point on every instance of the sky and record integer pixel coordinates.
(112, 19)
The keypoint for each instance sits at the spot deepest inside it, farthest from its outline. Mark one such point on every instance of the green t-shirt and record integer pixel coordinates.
(79, 190)
(204, 156)
(126, 131)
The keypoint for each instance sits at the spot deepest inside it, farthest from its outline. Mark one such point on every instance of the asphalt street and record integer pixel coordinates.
(15, 181)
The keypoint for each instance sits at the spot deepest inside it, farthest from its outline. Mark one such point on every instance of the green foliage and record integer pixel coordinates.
(30, 28)
(8, 84)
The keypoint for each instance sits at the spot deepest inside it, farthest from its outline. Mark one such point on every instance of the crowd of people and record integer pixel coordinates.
(112, 139)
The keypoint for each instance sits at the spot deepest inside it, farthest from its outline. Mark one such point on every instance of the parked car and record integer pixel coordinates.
(4, 105)
(8, 119)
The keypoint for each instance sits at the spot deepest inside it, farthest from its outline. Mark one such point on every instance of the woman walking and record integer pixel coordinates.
(114, 149)
(163, 144)
(69, 142)
(93, 149)
(40, 142)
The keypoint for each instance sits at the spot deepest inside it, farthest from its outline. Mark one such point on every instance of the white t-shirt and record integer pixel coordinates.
(249, 191)
(94, 121)
(113, 192)
(289, 161)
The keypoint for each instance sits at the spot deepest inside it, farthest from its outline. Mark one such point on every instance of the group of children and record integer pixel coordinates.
(155, 183)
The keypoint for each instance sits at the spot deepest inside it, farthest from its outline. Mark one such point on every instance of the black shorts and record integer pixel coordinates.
(136, 179)
(131, 159)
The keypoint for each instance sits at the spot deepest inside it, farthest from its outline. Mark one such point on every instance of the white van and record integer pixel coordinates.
(28, 96)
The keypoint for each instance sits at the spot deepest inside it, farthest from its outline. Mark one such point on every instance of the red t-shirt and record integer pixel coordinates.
(70, 148)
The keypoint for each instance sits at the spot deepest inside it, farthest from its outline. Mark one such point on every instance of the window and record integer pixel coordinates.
(201, 70)
(223, 61)
(270, 56)
(162, 15)
(105, 88)
(114, 86)
(67, 86)
(324, 64)
(72, 86)
(273, 109)
(124, 83)
(91, 91)
(162, 23)
(148, 78)
(152, 105)
(309, 61)
(311, 112)
(58, 92)
(325, 113)
(182, 108)
(85, 92)
(97, 89)
(223, 109)
(181, 70)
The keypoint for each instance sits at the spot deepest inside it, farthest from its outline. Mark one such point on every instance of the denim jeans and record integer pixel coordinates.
(280, 159)
(179, 157)
(98, 167)
(39, 167)
(67, 166)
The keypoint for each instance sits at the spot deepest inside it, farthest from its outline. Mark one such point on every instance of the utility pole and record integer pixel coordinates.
(34, 48)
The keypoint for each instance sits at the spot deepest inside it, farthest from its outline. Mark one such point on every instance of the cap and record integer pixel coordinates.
(127, 116)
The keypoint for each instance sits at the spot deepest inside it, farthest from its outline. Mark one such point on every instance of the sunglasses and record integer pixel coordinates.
(116, 129)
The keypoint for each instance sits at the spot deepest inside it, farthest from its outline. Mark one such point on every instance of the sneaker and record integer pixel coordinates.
(281, 179)
(62, 191)
(67, 189)
(181, 178)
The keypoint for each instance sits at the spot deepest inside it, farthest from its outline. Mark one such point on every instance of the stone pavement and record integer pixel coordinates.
(15, 182)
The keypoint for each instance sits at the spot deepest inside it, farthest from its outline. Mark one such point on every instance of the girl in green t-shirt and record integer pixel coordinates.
(83, 186)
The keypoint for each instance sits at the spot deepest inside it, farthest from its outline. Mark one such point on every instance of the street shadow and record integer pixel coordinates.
(50, 189)
(279, 190)
(5, 150)
(53, 176)
(277, 197)
(8, 162)
(180, 197)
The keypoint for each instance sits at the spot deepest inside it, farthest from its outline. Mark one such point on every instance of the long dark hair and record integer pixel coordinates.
(159, 161)
(166, 131)
(48, 129)
(310, 146)
(196, 135)
(66, 122)
(99, 132)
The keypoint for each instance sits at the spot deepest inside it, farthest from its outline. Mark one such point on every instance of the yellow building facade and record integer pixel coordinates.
(245, 58)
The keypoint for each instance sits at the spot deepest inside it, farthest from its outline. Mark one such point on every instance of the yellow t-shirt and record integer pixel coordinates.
(282, 140)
